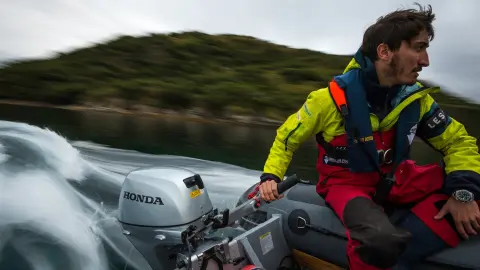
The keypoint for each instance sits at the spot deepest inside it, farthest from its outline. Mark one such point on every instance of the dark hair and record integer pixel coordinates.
(395, 27)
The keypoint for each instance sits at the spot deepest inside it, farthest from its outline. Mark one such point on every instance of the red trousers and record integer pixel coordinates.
(372, 237)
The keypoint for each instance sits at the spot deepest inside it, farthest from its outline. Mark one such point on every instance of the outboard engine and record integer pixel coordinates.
(167, 215)
(158, 207)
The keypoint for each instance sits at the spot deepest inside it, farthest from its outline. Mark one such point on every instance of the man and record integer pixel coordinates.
(364, 123)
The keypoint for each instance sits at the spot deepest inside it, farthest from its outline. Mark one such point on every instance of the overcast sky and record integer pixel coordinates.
(32, 28)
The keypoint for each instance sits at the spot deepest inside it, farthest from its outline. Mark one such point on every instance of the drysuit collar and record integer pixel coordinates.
(379, 97)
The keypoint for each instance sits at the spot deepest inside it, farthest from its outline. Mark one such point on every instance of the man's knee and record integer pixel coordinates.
(383, 249)
(381, 244)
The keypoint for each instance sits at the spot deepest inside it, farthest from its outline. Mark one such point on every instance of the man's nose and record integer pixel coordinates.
(424, 61)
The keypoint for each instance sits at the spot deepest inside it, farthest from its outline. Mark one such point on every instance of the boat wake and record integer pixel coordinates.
(59, 199)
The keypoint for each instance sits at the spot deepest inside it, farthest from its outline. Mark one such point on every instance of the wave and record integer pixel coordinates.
(59, 199)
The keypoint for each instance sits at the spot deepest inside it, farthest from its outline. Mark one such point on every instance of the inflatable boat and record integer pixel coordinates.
(166, 213)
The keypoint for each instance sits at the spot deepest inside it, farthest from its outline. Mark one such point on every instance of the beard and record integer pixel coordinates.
(395, 71)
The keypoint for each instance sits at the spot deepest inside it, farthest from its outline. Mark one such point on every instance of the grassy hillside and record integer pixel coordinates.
(221, 74)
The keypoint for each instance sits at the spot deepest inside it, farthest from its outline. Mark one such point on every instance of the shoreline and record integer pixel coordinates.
(157, 113)
(189, 115)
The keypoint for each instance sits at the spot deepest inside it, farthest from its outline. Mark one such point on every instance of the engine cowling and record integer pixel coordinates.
(163, 197)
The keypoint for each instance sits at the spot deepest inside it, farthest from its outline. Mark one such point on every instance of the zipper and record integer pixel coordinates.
(290, 134)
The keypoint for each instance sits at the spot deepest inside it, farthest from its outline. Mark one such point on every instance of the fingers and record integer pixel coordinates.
(261, 188)
(471, 221)
(269, 191)
(274, 189)
(442, 212)
(476, 224)
(264, 191)
(460, 229)
(465, 215)
(467, 225)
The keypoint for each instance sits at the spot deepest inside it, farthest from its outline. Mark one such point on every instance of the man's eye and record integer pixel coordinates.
(420, 47)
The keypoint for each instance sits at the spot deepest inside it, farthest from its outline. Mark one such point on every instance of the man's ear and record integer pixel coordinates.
(383, 52)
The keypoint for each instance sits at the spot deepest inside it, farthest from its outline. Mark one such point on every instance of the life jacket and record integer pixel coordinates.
(360, 156)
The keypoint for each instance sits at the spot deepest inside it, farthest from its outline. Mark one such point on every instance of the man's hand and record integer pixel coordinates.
(269, 191)
(465, 215)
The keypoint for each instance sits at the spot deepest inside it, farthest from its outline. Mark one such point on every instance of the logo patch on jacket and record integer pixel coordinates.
(303, 111)
(341, 162)
(438, 119)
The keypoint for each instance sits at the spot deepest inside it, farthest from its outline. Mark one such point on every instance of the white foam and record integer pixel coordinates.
(3, 157)
(41, 200)
(36, 201)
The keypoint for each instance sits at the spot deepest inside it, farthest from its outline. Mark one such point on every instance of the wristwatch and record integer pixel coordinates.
(463, 196)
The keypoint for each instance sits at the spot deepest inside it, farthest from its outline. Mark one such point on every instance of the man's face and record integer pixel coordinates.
(409, 60)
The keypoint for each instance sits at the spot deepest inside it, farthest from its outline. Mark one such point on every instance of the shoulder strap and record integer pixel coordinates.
(338, 96)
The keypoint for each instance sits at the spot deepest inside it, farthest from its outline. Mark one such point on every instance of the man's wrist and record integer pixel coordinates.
(269, 176)
(463, 195)
(462, 180)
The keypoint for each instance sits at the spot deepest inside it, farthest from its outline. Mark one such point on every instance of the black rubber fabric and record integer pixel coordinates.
(381, 244)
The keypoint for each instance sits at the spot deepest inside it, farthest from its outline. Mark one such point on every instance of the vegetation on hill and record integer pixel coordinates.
(216, 74)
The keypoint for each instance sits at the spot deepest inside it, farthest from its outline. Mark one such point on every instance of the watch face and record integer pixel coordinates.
(464, 196)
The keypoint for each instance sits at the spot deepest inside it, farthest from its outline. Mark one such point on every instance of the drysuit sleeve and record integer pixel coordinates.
(459, 149)
(298, 127)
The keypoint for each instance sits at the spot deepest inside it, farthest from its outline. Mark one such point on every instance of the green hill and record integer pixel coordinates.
(219, 74)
